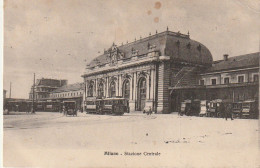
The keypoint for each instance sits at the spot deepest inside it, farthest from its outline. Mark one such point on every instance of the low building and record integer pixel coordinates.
(44, 86)
(18, 105)
(71, 92)
(233, 78)
(51, 93)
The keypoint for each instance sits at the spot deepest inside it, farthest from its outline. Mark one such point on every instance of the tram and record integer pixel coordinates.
(250, 109)
(114, 106)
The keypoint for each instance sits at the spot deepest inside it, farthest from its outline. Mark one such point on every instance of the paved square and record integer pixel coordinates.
(51, 139)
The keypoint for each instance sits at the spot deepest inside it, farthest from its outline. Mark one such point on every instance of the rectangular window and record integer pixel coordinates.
(226, 80)
(255, 78)
(213, 81)
(202, 82)
(240, 79)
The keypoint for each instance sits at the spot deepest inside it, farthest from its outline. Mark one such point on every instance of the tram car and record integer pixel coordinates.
(250, 109)
(203, 108)
(17, 106)
(185, 107)
(52, 106)
(195, 108)
(115, 106)
(40, 106)
(93, 105)
(213, 110)
(237, 109)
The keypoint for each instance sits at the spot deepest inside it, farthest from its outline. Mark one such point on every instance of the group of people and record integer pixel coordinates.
(226, 109)
(149, 111)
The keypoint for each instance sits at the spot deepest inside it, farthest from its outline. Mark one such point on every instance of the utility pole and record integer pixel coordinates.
(10, 93)
(33, 109)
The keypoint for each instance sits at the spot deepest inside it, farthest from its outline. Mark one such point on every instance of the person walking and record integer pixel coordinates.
(228, 111)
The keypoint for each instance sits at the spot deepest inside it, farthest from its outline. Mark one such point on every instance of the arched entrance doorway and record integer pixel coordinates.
(126, 89)
(141, 94)
(112, 89)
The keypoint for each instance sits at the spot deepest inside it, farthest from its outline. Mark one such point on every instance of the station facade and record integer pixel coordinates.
(142, 71)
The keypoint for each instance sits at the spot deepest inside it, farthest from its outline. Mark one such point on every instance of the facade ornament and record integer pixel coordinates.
(126, 76)
(142, 74)
(115, 54)
(151, 47)
(134, 52)
(113, 78)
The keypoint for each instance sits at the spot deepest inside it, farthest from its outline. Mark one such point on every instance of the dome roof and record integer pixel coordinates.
(176, 45)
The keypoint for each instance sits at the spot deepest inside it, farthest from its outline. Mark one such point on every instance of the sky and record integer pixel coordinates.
(57, 38)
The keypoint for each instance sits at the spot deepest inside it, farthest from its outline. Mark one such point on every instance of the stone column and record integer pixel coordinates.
(133, 93)
(117, 86)
(149, 101)
(120, 85)
(84, 98)
(147, 87)
(86, 90)
(107, 86)
(96, 87)
(152, 85)
(131, 88)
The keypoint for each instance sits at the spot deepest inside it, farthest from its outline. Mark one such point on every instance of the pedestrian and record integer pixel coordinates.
(149, 111)
(228, 111)
(221, 112)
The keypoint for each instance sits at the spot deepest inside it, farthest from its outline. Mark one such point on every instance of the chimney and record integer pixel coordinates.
(225, 57)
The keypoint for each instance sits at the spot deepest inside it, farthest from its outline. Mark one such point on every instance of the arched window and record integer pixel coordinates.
(112, 89)
(101, 90)
(126, 89)
(90, 90)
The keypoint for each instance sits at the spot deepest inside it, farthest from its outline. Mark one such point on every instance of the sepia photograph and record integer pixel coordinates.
(130, 83)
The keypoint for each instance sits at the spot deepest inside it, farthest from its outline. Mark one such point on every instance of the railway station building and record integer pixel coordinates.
(164, 69)
(141, 71)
